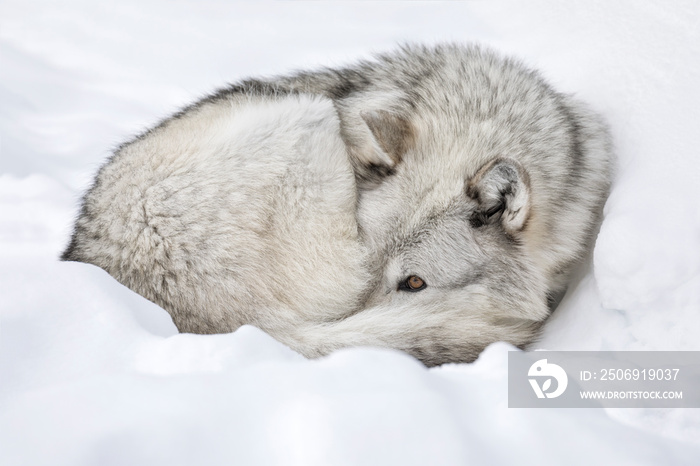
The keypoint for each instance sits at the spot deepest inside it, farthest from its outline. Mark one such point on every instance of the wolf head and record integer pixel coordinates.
(480, 190)
(448, 247)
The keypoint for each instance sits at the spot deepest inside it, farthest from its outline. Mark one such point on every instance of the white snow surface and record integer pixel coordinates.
(93, 374)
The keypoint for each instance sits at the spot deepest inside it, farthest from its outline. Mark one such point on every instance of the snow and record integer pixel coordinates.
(93, 374)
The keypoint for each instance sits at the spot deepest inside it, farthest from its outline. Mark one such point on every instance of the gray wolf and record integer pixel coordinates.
(476, 190)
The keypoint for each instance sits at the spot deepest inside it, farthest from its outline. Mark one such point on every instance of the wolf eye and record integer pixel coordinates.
(412, 283)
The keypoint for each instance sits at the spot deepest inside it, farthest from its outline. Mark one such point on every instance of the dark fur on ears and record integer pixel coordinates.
(377, 141)
(502, 189)
(394, 134)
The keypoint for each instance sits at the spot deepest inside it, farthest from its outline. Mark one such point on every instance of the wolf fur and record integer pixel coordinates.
(462, 168)
(230, 208)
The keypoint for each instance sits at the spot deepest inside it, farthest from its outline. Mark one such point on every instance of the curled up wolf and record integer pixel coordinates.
(433, 200)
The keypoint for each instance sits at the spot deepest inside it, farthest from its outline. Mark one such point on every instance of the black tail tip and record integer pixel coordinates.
(70, 253)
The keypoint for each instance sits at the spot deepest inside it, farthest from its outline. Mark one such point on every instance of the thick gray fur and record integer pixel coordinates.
(449, 163)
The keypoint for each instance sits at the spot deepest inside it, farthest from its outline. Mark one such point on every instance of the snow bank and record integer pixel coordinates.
(91, 373)
(84, 379)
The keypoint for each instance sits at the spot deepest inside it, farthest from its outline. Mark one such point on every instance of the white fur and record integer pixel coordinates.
(233, 208)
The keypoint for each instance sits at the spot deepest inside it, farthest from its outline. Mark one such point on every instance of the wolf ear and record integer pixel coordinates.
(377, 141)
(502, 191)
